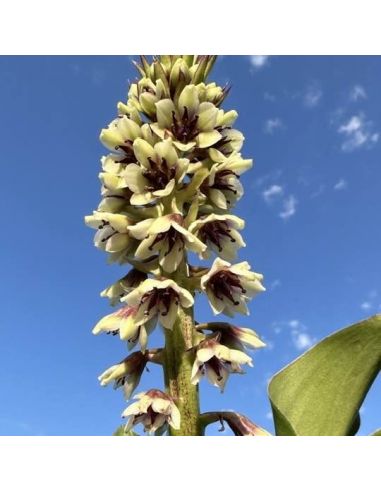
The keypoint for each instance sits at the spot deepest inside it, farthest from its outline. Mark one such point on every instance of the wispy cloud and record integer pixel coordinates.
(319, 191)
(289, 207)
(294, 323)
(285, 204)
(266, 178)
(259, 61)
(275, 284)
(366, 306)
(312, 96)
(272, 124)
(340, 185)
(357, 93)
(272, 192)
(370, 301)
(302, 341)
(300, 337)
(357, 132)
(267, 96)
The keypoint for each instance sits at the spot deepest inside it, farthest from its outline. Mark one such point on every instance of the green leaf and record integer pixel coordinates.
(121, 432)
(321, 392)
(376, 433)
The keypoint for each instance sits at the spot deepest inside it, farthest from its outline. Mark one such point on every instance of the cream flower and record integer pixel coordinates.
(119, 136)
(146, 93)
(191, 123)
(112, 235)
(124, 285)
(158, 171)
(212, 93)
(222, 187)
(124, 322)
(110, 177)
(114, 191)
(234, 336)
(219, 233)
(158, 299)
(232, 141)
(126, 374)
(129, 110)
(114, 201)
(167, 237)
(229, 287)
(155, 410)
(217, 361)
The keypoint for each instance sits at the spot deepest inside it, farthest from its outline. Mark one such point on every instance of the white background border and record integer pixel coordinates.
(108, 464)
(234, 27)
(220, 463)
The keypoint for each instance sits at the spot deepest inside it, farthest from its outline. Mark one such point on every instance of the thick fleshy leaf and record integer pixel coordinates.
(121, 432)
(376, 433)
(321, 392)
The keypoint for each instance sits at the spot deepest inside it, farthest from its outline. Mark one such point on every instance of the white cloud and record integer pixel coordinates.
(272, 192)
(371, 300)
(267, 96)
(275, 283)
(312, 96)
(357, 132)
(319, 191)
(365, 306)
(302, 341)
(272, 124)
(357, 92)
(285, 204)
(297, 331)
(289, 207)
(340, 185)
(300, 337)
(266, 178)
(259, 61)
(294, 323)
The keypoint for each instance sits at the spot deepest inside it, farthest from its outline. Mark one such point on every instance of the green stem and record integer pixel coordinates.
(177, 371)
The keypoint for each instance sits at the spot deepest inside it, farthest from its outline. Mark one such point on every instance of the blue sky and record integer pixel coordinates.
(313, 127)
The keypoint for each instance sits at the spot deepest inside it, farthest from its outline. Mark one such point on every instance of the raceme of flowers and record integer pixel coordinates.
(168, 183)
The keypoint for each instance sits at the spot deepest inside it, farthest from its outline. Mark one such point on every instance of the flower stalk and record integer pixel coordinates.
(178, 369)
(167, 186)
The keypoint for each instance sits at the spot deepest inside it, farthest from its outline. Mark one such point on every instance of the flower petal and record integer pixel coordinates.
(208, 138)
(164, 110)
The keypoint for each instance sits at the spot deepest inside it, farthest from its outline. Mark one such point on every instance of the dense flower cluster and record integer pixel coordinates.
(168, 183)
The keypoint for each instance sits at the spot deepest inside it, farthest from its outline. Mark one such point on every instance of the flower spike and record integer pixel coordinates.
(169, 179)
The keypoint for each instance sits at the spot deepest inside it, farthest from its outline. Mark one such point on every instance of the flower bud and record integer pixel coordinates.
(126, 374)
(233, 336)
(242, 426)
(126, 284)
